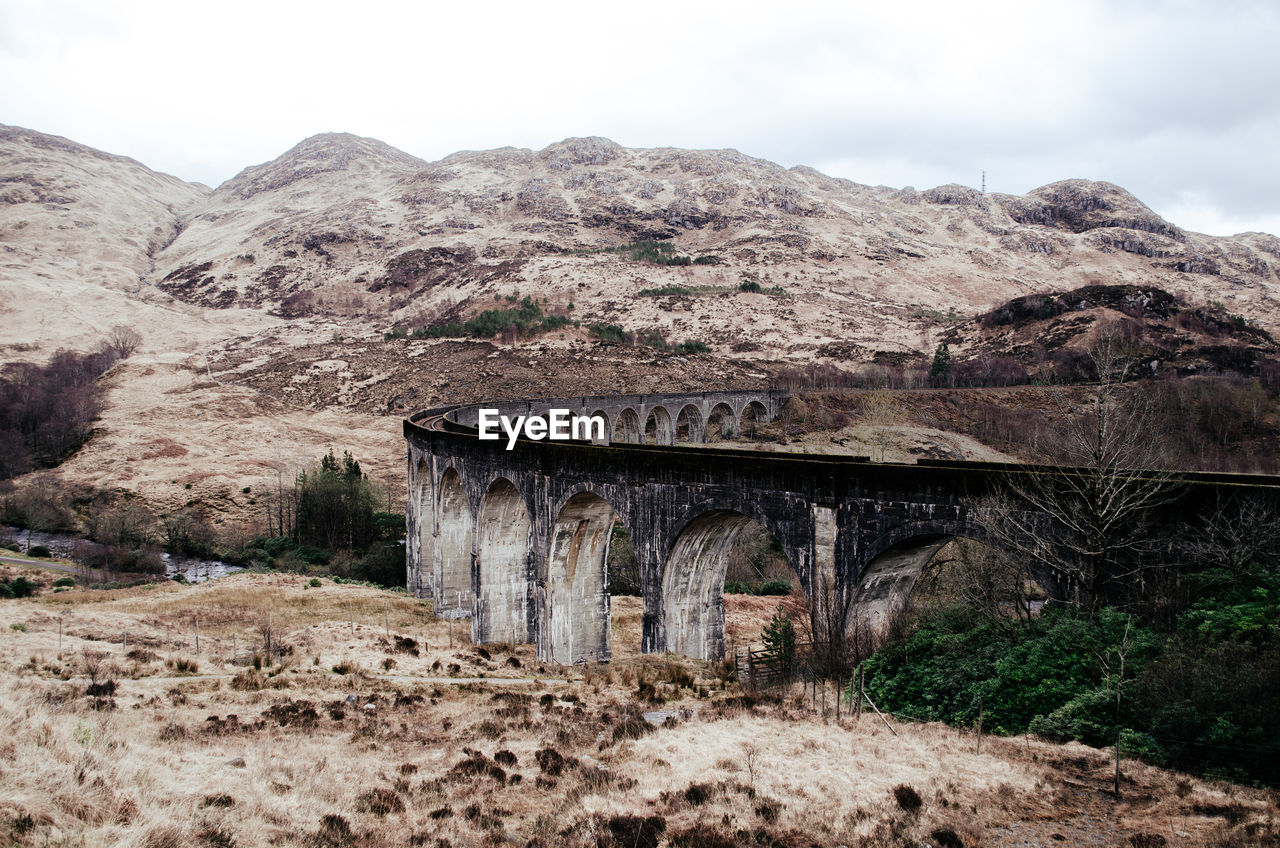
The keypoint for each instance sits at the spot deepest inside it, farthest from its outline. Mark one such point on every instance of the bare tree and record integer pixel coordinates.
(979, 577)
(124, 340)
(1091, 519)
(1237, 531)
(881, 411)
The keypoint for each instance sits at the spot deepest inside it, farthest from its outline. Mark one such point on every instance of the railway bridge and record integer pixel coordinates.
(517, 540)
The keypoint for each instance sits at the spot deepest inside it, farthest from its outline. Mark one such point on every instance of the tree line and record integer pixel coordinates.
(47, 411)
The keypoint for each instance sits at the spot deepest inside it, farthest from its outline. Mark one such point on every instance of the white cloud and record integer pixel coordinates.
(1173, 100)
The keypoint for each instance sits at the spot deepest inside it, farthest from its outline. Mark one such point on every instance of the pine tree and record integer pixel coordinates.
(941, 368)
(779, 637)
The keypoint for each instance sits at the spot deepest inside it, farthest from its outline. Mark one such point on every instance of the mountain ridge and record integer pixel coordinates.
(346, 228)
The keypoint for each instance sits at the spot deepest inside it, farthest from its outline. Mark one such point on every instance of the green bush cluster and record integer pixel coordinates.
(527, 318)
(336, 529)
(610, 333)
(18, 587)
(1200, 694)
(656, 253)
(763, 587)
(677, 290)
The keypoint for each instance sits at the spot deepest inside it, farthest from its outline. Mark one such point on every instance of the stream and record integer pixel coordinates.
(195, 570)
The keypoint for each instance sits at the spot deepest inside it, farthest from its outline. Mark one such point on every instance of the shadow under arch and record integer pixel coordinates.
(897, 560)
(608, 427)
(453, 547)
(504, 549)
(658, 429)
(693, 583)
(721, 423)
(689, 426)
(753, 414)
(575, 606)
(627, 427)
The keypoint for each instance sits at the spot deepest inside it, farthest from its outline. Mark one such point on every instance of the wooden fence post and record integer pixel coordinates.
(978, 748)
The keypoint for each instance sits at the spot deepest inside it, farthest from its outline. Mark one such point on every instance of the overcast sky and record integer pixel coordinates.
(1178, 102)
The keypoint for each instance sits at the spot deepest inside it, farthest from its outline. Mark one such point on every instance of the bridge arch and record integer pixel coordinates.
(753, 413)
(504, 554)
(894, 562)
(608, 427)
(627, 427)
(689, 426)
(721, 423)
(575, 604)
(692, 608)
(453, 548)
(658, 427)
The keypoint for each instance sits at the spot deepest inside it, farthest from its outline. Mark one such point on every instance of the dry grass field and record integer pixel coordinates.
(372, 723)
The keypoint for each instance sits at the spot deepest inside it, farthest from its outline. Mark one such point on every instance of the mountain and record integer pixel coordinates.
(350, 229)
(263, 303)
(344, 226)
(80, 230)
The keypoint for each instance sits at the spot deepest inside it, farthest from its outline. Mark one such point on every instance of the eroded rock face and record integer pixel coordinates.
(1082, 205)
(423, 267)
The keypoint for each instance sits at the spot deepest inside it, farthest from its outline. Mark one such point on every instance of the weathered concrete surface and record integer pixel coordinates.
(519, 539)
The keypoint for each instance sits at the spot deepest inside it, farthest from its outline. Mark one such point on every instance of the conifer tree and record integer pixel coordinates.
(779, 637)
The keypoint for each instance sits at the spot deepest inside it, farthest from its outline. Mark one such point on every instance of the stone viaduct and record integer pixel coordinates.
(517, 540)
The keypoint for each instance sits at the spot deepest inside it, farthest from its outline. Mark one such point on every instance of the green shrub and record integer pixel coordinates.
(692, 347)
(657, 253)
(39, 551)
(774, 587)
(527, 318)
(750, 286)
(64, 581)
(314, 582)
(670, 291)
(610, 333)
(21, 587)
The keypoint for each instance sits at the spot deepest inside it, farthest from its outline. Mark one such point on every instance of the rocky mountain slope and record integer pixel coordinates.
(344, 226)
(80, 232)
(265, 301)
(354, 230)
